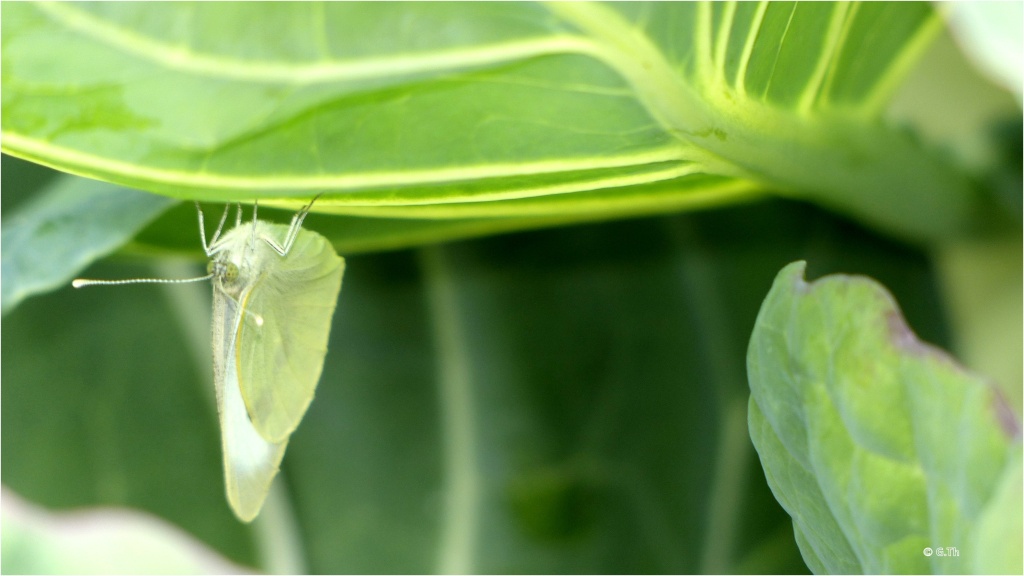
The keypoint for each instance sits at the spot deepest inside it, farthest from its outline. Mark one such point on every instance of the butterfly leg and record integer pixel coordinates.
(202, 228)
(293, 230)
(252, 239)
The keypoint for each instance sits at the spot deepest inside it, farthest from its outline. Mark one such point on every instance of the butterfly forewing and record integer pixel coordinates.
(286, 320)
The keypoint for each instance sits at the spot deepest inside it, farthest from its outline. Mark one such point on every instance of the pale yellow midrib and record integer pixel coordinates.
(674, 105)
(92, 165)
(183, 59)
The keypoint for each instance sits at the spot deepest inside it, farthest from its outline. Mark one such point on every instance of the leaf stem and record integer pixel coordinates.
(276, 531)
(727, 487)
(191, 304)
(462, 483)
(723, 367)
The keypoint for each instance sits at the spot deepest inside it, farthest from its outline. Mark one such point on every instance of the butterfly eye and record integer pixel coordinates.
(226, 272)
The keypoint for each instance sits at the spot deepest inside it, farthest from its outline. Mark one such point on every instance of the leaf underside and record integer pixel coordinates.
(496, 116)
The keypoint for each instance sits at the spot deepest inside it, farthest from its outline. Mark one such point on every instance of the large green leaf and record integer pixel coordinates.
(881, 447)
(563, 401)
(466, 110)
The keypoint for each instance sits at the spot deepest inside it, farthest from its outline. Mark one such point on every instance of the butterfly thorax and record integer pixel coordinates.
(231, 265)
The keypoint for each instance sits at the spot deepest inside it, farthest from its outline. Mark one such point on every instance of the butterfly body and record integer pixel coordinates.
(272, 314)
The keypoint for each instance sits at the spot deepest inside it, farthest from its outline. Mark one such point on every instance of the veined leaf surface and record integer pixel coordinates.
(458, 111)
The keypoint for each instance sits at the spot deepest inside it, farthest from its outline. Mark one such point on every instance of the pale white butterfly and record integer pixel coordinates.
(274, 292)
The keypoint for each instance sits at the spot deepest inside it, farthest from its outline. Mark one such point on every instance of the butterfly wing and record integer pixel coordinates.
(250, 461)
(282, 341)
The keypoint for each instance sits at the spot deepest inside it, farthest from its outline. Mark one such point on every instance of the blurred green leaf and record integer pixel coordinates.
(46, 241)
(877, 444)
(104, 405)
(99, 542)
(983, 282)
(479, 110)
(992, 36)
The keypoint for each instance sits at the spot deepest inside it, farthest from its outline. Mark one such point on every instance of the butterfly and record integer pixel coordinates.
(275, 288)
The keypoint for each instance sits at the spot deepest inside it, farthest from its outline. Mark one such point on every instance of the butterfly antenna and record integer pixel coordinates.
(82, 282)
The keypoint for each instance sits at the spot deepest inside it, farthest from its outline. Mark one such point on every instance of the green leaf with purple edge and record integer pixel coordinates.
(877, 444)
